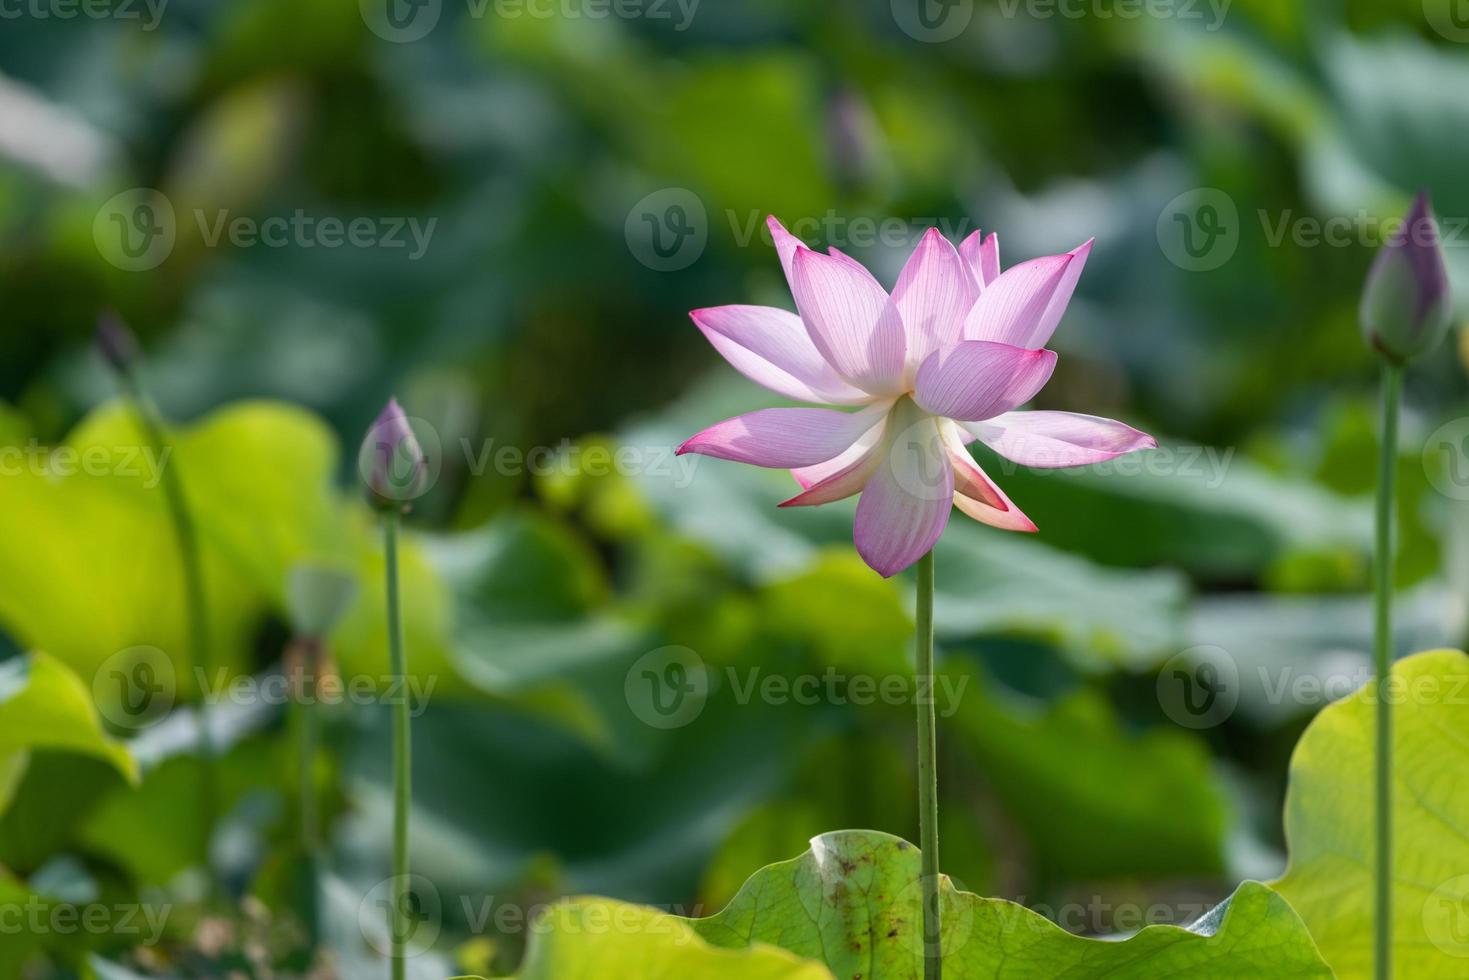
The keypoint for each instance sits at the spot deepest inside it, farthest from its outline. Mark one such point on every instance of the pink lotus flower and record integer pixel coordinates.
(943, 360)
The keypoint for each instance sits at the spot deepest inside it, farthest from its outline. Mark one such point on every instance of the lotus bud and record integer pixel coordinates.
(391, 462)
(116, 342)
(1405, 304)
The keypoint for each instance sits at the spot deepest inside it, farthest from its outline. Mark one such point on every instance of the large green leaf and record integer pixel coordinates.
(588, 939)
(1329, 823)
(90, 564)
(156, 830)
(43, 705)
(92, 569)
(853, 902)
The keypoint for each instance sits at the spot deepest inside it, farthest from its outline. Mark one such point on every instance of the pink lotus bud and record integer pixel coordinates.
(1405, 303)
(391, 462)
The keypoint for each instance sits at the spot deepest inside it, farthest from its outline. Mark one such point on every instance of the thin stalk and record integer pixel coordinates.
(307, 738)
(1392, 388)
(402, 760)
(306, 734)
(928, 784)
(186, 537)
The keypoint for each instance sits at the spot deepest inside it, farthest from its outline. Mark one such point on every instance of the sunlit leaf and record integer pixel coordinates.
(44, 705)
(588, 939)
(1329, 823)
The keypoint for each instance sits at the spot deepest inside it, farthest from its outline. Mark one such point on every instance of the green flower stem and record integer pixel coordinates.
(928, 782)
(186, 537)
(306, 739)
(1392, 389)
(402, 760)
(306, 723)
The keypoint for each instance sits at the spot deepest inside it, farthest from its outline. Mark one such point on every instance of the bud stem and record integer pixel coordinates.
(304, 718)
(186, 538)
(402, 758)
(1392, 389)
(928, 783)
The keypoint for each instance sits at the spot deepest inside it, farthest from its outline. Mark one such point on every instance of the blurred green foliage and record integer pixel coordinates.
(525, 328)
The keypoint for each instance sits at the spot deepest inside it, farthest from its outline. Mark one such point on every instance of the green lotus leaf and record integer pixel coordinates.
(44, 705)
(1329, 823)
(853, 902)
(92, 568)
(594, 938)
